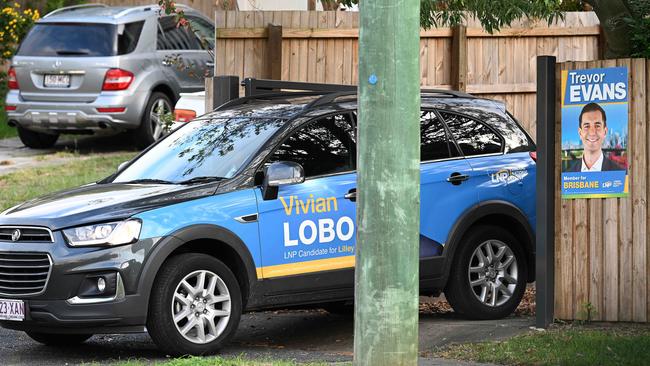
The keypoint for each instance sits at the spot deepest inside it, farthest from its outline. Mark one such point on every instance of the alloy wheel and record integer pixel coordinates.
(492, 273)
(201, 307)
(159, 109)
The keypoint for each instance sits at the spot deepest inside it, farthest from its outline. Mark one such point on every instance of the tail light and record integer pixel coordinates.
(533, 155)
(117, 79)
(10, 108)
(184, 115)
(11, 78)
(111, 110)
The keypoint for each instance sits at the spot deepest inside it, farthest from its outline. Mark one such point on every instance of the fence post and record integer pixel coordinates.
(459, 58)
(274, 52)
(219, 90)
(545, 235)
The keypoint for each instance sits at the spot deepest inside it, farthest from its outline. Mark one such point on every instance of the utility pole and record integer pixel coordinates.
(388, 216)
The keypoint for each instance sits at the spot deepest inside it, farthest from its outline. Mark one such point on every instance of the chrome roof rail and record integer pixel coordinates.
(74, 7)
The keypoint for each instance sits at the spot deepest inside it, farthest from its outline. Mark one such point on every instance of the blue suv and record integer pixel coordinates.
(252, 206)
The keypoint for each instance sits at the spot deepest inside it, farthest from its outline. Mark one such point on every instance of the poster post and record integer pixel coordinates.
(545, 200)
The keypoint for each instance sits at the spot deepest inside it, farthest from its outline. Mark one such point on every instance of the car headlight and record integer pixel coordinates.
(111, 233)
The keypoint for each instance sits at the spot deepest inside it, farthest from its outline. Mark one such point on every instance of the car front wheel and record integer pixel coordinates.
(488, 275)
(195, 305)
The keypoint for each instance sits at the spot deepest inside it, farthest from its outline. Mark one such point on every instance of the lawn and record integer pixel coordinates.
(565, 345)
(215, 361)
(33, 182)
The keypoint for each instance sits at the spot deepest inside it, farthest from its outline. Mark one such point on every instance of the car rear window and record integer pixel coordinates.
(80, 39)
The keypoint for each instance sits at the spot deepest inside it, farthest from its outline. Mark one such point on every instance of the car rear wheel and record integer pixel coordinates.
(60, 340)
(488, 274)
(195, 305)
(152, 127)
(36, 140)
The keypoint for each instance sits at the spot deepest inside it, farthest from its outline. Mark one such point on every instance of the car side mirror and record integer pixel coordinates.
(122, 165)
(281, 173)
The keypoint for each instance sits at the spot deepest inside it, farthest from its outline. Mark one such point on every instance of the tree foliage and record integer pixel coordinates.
(639, 23)
(493, 15)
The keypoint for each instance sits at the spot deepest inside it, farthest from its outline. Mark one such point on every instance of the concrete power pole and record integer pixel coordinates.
(388, 221)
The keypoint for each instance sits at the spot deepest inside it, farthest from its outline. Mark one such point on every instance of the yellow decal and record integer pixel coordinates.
(306, 267)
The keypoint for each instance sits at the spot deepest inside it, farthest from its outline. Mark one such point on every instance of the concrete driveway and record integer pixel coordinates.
(300, 335)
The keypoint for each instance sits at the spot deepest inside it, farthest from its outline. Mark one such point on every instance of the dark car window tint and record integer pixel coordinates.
(473, 137)
(127, 37)
(325, 146)
(434, 142)
(176, 38)
(204, 30)
(70, 40)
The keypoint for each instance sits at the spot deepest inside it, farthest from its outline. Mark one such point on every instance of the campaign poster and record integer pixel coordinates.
(595, 133)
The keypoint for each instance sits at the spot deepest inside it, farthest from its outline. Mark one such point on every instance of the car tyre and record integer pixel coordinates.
(152, 126)
(59, 340)
(488, 274)
(36, 140)
(195, 305)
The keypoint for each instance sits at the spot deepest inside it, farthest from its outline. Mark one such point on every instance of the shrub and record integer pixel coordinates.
(14, 25)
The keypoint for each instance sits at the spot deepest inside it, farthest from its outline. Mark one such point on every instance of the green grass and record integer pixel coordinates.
(564, 346)
(214, 361)
(28, 183)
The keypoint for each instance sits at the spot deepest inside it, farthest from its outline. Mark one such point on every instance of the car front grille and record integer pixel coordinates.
(25, 234)
(23, 274)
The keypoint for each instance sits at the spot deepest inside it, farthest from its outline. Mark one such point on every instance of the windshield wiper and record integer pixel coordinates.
(197, 180)
(147, 180)
(70, 52)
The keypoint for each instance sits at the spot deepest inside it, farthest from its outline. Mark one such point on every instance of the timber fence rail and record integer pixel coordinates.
(602, 252)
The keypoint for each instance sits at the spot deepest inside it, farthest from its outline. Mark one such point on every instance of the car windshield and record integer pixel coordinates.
(204, 149)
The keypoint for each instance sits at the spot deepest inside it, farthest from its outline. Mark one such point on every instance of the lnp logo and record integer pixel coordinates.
(15, 236)
(508, 175)
(56, 64)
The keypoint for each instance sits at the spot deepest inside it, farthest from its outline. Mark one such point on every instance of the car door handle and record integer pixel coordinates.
(351, 195)
(166, 63)
(457, 178)
(210, 64)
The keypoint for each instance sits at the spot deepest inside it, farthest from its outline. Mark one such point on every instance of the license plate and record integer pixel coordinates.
(57, 81)
(12, 310)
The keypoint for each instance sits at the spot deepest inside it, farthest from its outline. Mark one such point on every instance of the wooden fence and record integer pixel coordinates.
(601, 245)
(322, 47)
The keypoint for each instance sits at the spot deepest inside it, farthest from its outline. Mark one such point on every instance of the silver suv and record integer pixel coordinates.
(93, 69)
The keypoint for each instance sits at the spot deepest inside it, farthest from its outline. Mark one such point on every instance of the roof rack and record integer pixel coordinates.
(255, 89)
(75, 7)
(254, 86)
(452, 93)
(259, 96)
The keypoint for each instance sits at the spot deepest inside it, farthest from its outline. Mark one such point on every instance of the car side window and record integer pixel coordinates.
(473, 137)
(128, 36)
(175, 38)
(324, 146)
(204, 30)
(434, 141)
